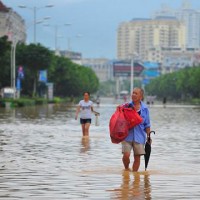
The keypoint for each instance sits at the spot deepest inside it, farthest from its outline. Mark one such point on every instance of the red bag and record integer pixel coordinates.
(118, 126)
(132, 117)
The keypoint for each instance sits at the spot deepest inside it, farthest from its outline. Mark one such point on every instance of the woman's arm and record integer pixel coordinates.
(77, 111)
(92, 109)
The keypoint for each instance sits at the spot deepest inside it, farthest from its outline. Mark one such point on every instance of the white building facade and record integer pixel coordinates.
(11, 24)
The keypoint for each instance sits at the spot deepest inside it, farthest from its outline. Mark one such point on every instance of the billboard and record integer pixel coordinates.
(43, 76)
(123, 69)
(151, 73)
(151, 65)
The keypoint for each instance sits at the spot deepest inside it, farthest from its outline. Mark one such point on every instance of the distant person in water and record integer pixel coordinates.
(98, 101)
(164, 102)
(85, 107)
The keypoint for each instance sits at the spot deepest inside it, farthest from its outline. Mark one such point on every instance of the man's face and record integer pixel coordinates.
(136, 95)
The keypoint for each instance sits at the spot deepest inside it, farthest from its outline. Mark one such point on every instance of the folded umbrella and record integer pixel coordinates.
(148, 150)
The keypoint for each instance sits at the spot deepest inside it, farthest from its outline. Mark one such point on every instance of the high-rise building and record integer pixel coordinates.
(11, 24)
(137, 37)
(190, 17)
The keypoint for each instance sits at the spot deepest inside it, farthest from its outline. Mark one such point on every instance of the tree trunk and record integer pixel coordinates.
(34, 88)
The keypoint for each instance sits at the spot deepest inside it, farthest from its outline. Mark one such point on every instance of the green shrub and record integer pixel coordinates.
(195, 101)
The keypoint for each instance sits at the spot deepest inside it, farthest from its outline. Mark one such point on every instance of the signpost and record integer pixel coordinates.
(20, 76)
(49, 91)
(126, 69)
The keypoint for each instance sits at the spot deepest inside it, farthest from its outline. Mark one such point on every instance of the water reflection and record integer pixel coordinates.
(134, 186)
(85, 144)
(36, 112)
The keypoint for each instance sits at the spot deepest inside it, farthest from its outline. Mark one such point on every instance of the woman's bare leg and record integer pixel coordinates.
(83, 129)
(86, 131)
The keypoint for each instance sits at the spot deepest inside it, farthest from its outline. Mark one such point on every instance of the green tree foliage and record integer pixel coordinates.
(178, 85)
(107, 88)
(5, 65)
(71, 79)
(33, 57)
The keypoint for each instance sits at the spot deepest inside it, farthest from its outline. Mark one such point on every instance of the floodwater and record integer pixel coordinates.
(43, 156)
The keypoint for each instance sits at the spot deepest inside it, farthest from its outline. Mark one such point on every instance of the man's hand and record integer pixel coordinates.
(149, 140)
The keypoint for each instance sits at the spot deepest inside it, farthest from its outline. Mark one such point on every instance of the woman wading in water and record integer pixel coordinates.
(85, 107)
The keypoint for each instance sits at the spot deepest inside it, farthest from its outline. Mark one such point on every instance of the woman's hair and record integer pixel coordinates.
(87, 93)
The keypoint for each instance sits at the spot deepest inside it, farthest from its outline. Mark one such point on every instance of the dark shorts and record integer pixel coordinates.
(84, 121)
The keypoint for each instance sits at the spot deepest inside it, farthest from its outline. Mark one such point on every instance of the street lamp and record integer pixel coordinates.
(35, 9)
(132, 71)
(69, 40)
(13, 66)
(56, 32)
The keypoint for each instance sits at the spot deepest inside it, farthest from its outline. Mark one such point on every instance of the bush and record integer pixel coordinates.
(195, 101)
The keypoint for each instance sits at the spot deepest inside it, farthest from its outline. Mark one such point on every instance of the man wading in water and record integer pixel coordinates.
(138, 135)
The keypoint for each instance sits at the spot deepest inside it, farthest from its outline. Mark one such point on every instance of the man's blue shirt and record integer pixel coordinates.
(138, 133)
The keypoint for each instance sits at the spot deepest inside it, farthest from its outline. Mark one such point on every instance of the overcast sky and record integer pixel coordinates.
(96, 21)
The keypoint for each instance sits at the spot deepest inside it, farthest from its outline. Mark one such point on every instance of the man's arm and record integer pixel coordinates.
(148, 130)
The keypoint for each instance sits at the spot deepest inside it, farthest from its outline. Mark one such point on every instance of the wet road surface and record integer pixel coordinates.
(43, 156)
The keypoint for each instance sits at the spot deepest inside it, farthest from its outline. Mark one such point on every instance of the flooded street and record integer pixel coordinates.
(43, 156)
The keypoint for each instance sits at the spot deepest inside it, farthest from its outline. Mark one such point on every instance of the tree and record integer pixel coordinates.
(33, 57)
(178, 85)
(71, 79)
(5, 49)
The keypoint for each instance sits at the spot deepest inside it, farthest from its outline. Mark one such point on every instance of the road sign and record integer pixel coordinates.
(123, 69)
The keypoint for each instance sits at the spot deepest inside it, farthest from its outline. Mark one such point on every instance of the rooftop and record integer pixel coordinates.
(166, 18)
(140, 19)
(3, 8)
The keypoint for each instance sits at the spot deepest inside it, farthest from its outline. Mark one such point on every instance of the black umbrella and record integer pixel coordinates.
(148, 150)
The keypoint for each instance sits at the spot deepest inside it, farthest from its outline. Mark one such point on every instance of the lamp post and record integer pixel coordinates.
(69, 41)
(35, 9)
(13, 66)
(132, 71)
(56, 36)
(78, 36)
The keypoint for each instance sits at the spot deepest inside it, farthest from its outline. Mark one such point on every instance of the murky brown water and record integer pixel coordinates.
(43, 156)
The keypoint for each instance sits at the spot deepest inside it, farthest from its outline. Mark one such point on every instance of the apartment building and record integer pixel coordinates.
(138, 36)
(11, 24)
(187, 15)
